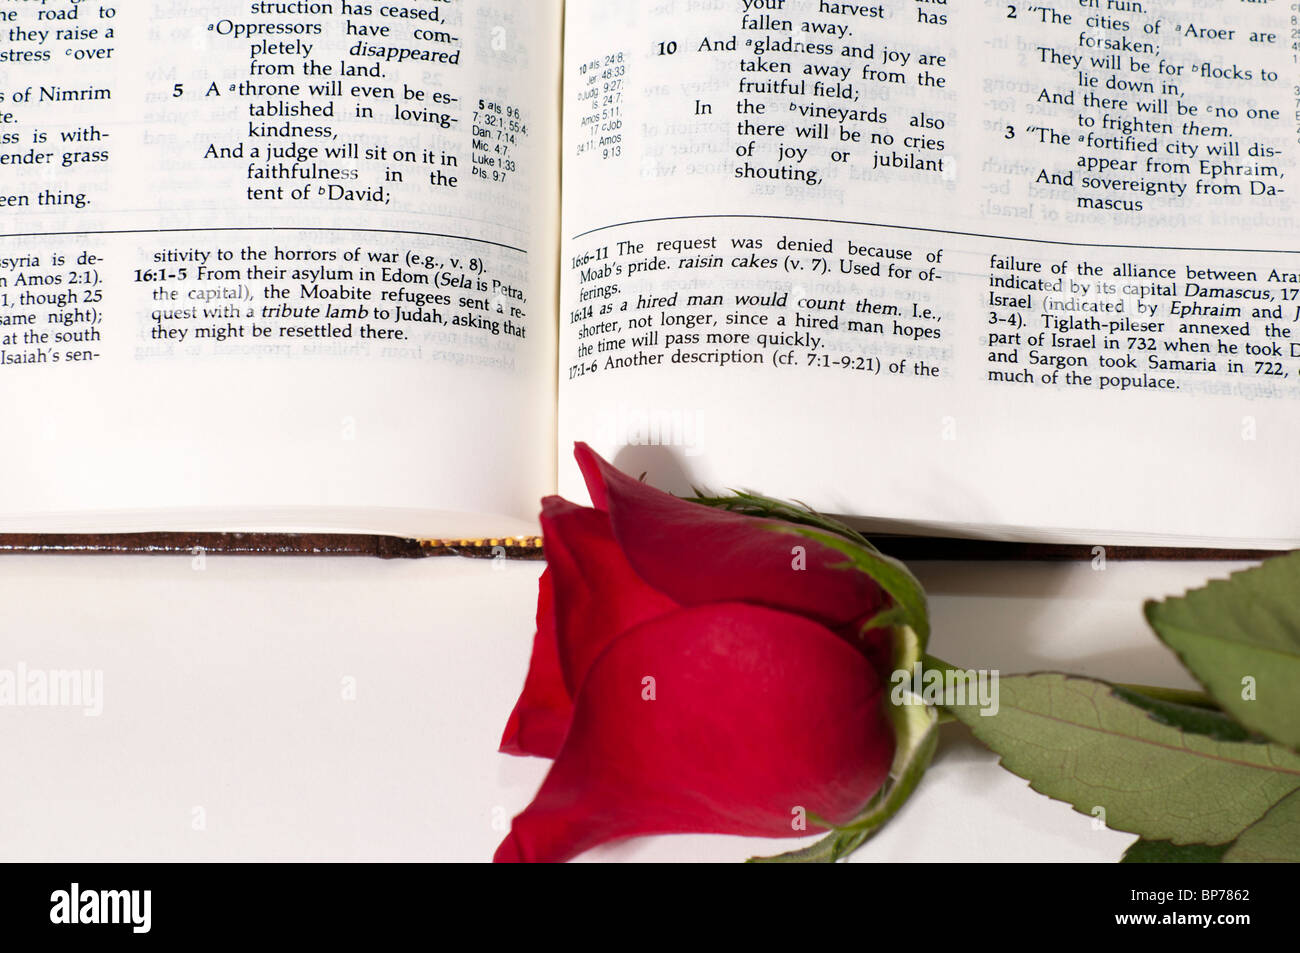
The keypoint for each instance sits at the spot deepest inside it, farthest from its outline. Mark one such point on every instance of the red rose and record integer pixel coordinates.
(687, 677)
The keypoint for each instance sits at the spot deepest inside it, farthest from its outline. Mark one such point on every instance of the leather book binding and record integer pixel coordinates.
(907, 548)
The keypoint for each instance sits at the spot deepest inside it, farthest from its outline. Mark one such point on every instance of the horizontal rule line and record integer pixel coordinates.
(265, 228)
(937, 231)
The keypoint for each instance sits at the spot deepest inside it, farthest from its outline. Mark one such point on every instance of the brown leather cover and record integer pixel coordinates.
(908, 548)
(263, 544)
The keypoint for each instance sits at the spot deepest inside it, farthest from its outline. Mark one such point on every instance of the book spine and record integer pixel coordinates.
(908, 548)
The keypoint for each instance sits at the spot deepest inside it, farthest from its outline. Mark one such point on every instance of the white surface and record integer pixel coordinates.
(223, 690)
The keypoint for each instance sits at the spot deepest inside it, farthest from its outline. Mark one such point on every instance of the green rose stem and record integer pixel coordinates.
(1178, 696)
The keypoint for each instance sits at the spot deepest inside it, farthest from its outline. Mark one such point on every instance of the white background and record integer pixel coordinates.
(223, 691)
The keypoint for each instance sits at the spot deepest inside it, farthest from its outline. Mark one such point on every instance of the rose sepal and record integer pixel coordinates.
(916, 733)
(909, 604)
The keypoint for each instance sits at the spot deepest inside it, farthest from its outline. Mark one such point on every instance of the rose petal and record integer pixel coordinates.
(593, 596)
(598, 595)
(540, 718)
(756, 714)
(699, 555)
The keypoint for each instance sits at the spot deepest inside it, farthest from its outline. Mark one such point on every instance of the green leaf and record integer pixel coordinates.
(1162, 852)
(916, 734)
(1190, 718)
(1244, 627)
(1158, 769)
(1180, 696)
(1274, 838)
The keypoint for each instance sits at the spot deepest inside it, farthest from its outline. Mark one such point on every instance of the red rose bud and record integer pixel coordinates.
(687, 678)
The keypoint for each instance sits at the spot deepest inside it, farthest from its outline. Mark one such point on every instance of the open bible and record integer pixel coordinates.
(955, 269)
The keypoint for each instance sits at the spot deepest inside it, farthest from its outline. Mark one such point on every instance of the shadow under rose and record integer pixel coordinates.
(663, 467)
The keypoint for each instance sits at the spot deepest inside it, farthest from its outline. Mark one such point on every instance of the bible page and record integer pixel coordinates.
(278, 265)
(974, 268)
